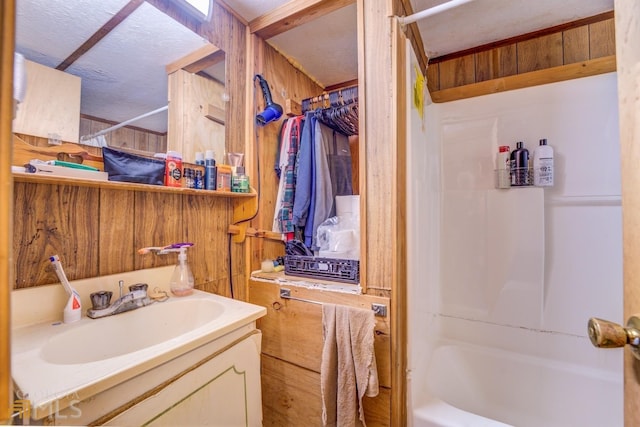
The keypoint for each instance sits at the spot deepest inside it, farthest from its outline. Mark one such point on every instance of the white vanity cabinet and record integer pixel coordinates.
(224, 391)
(208, 386)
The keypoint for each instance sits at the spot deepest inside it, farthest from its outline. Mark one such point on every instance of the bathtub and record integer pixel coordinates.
(476, 386)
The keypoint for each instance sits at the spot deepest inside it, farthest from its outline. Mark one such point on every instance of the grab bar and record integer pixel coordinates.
(379, 310)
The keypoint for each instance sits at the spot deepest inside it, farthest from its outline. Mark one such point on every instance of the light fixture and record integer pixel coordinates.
(201, 9)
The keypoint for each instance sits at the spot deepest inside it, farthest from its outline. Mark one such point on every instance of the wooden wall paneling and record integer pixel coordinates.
(457, 72)
(123, 137)
(540, 53)
(290, 394)
(378, 143)
(495, 63)
(7, 272)
(116, 231)
(206, 220)
(399, 342)
(377, 410)
(158, 221)
(51, 105)
(602, 39)
(292, 330)
(285, 81)
(50, 220)
(550, 75)
(433, 77)
(296, 398)
(575, 44)
(141, 141)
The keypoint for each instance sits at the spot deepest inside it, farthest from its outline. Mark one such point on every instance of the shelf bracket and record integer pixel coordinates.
(243, 211)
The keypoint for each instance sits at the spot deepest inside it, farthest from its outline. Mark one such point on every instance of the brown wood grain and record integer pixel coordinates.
(457, 72)
(602, 39)
(291, 397)
(158, 222)
(537, 54)
(205, 223)
(292, 330)
(575, 44)
(290, 394)
(50, 220)
(495, 63)
(628, 55)
(550, 75)
(7, 272)
(116, 231)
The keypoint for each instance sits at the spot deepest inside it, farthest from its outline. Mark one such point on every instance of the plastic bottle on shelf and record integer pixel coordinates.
(503, 167)
(173, 169)
(520, 166)
(210, 171)
(543, 165)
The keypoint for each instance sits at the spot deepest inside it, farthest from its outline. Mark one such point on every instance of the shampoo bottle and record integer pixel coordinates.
(503, 167)
(182, 279)
(543, 165)
(520, 166)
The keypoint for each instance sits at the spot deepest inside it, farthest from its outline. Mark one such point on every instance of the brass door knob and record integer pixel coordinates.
(606, 334)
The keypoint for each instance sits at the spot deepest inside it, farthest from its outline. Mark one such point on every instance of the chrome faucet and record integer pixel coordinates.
(136, 298)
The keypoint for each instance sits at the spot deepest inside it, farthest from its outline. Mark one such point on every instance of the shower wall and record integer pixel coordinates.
(521, 269)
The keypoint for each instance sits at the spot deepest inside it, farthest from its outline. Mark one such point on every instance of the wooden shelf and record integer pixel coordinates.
(128, 186)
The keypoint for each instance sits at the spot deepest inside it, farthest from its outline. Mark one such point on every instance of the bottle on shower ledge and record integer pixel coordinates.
(520, 166)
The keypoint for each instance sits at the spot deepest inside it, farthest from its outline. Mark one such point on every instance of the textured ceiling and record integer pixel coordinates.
(123, 75)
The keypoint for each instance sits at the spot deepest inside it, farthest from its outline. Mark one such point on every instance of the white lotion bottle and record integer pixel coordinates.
(543, 165)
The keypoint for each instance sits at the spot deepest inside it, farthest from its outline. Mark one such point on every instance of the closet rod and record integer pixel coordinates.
(378, 309)
(326, 96)
(406, 20)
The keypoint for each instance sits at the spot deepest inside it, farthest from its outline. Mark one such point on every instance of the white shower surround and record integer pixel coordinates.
(538, 315)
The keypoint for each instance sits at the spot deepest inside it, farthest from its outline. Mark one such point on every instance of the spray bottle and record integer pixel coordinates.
(73, 309)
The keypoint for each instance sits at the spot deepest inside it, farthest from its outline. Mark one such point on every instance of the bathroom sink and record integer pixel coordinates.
(129, 332)
(56, 363)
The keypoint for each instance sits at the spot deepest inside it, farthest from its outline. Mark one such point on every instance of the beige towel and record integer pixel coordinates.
(348, 370)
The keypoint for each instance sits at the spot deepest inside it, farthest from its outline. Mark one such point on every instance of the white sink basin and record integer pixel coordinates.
(128, 332)
(81, 359)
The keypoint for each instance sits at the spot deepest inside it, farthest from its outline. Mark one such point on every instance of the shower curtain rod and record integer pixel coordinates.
(406, 20)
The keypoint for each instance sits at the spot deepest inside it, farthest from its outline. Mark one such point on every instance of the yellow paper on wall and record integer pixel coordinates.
(418, 91)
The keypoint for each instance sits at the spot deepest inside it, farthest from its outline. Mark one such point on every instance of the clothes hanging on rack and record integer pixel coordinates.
(283, 220)
(322, 168)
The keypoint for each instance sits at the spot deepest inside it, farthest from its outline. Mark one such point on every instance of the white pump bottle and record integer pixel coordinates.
(182, 279)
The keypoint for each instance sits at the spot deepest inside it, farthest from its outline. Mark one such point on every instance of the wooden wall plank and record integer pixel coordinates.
(433, 77)
(292, 330)
(206, 221)
(296, 400)
(158, 221)
(575, 44)
(50, 220)
(7, 271)
(550, 75)
(457, 72)
(116, 231)
(495, 63)
(537, 54)
(602, 39)
(290, 394)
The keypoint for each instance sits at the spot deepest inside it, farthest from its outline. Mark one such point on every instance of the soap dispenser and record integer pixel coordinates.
(182, 279)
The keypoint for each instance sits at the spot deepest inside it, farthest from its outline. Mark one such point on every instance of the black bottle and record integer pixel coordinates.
(520, 166)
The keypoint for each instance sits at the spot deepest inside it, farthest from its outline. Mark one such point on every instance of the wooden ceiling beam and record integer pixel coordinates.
(120, 16)
(293, 14)
(198, 60)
